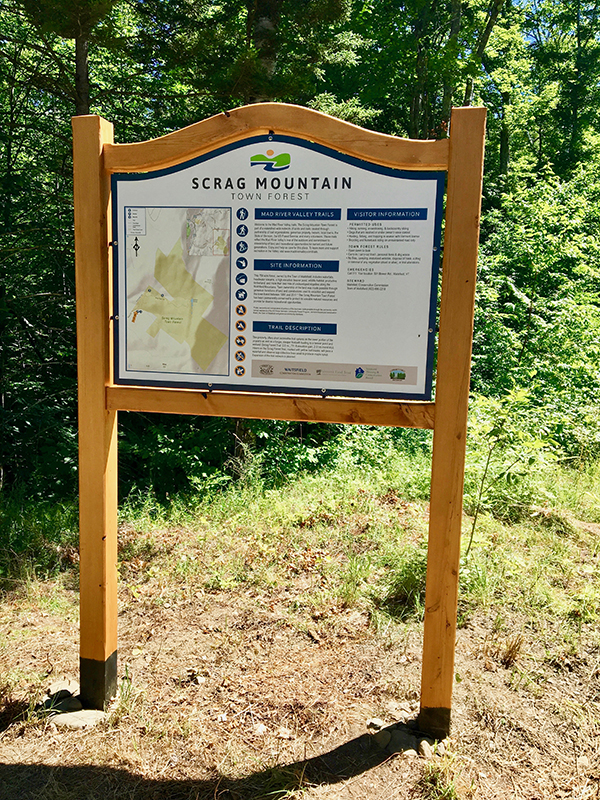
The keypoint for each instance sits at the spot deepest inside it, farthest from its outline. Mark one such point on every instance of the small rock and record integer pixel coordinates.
(67, 705)
(375, 724)
(583, 762)
(440, 749)
(382, 738)
(397, 711)
(425, 749)
(260, 729)
(64, 687)
(401, 741)
(78, 720)
(284, 733)
(60, 702)
(410, 754)
(313, 634)
(59, 694)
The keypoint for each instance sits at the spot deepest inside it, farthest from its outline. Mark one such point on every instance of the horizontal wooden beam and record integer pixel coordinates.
(279, 118)
(298, 408)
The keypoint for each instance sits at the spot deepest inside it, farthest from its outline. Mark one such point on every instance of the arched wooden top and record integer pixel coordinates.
(280, 118)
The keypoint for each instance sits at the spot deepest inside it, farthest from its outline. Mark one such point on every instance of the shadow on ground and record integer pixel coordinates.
(11, 711)
(42, 782)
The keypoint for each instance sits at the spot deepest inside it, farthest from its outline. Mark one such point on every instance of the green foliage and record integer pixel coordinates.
(388, 455)
(170, 457)
(155, 66)
(565, 51)
(68, 18)
(537, 315)
(401, 594)
(349, 110)
(38, 537)
(437, 782)
(233, 53)
(508, 446)
(285, 450)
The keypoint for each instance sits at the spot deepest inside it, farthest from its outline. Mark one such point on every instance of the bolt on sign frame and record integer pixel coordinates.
(96, 158)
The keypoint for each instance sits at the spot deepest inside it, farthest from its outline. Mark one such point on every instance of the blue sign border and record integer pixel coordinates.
(438, 176)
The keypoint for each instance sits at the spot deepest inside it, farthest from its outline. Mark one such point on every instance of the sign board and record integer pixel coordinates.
(277, 264)
(248, 251)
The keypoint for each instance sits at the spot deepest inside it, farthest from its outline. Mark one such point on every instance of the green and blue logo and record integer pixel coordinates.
(270, 162)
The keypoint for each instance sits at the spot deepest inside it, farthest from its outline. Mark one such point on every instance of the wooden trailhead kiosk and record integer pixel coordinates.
(273, 262)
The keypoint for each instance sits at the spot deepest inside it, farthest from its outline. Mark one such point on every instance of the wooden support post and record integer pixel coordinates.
(465, 174)
(97, 426)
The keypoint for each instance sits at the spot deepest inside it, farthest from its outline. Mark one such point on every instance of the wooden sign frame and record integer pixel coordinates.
(95, 158)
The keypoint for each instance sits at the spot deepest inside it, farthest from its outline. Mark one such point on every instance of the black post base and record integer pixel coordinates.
(98, 681)
(435, 722)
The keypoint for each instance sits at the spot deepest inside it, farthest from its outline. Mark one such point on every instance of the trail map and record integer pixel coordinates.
(178, 289)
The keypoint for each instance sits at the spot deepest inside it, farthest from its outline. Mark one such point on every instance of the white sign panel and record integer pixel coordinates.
(274, 264)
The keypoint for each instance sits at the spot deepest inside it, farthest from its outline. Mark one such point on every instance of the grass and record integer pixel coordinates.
(314, 551)
(353, 534)
(356, 536)
(38, 538)
(437, 782)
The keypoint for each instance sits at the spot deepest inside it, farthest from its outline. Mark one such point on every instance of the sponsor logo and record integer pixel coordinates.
(266, 369)
(270, 162)
(359, 372)
(398, 375)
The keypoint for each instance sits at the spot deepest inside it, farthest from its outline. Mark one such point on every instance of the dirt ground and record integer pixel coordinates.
(225, 695)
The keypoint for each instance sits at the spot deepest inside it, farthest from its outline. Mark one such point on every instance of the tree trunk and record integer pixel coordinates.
(263, 22)
(82, 77)
(504, 136)
(450, 76)
(484, 37)
(575, 96)
(418, 110)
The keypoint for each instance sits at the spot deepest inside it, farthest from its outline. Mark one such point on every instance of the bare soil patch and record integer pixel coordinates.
(246, 695)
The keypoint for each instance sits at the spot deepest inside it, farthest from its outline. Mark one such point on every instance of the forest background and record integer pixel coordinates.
(153, 66)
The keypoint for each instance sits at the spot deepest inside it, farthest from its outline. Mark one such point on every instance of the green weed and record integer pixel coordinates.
(38, 538)
(128, 702)
(402, 592)
(353, 531)
(437, 782)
